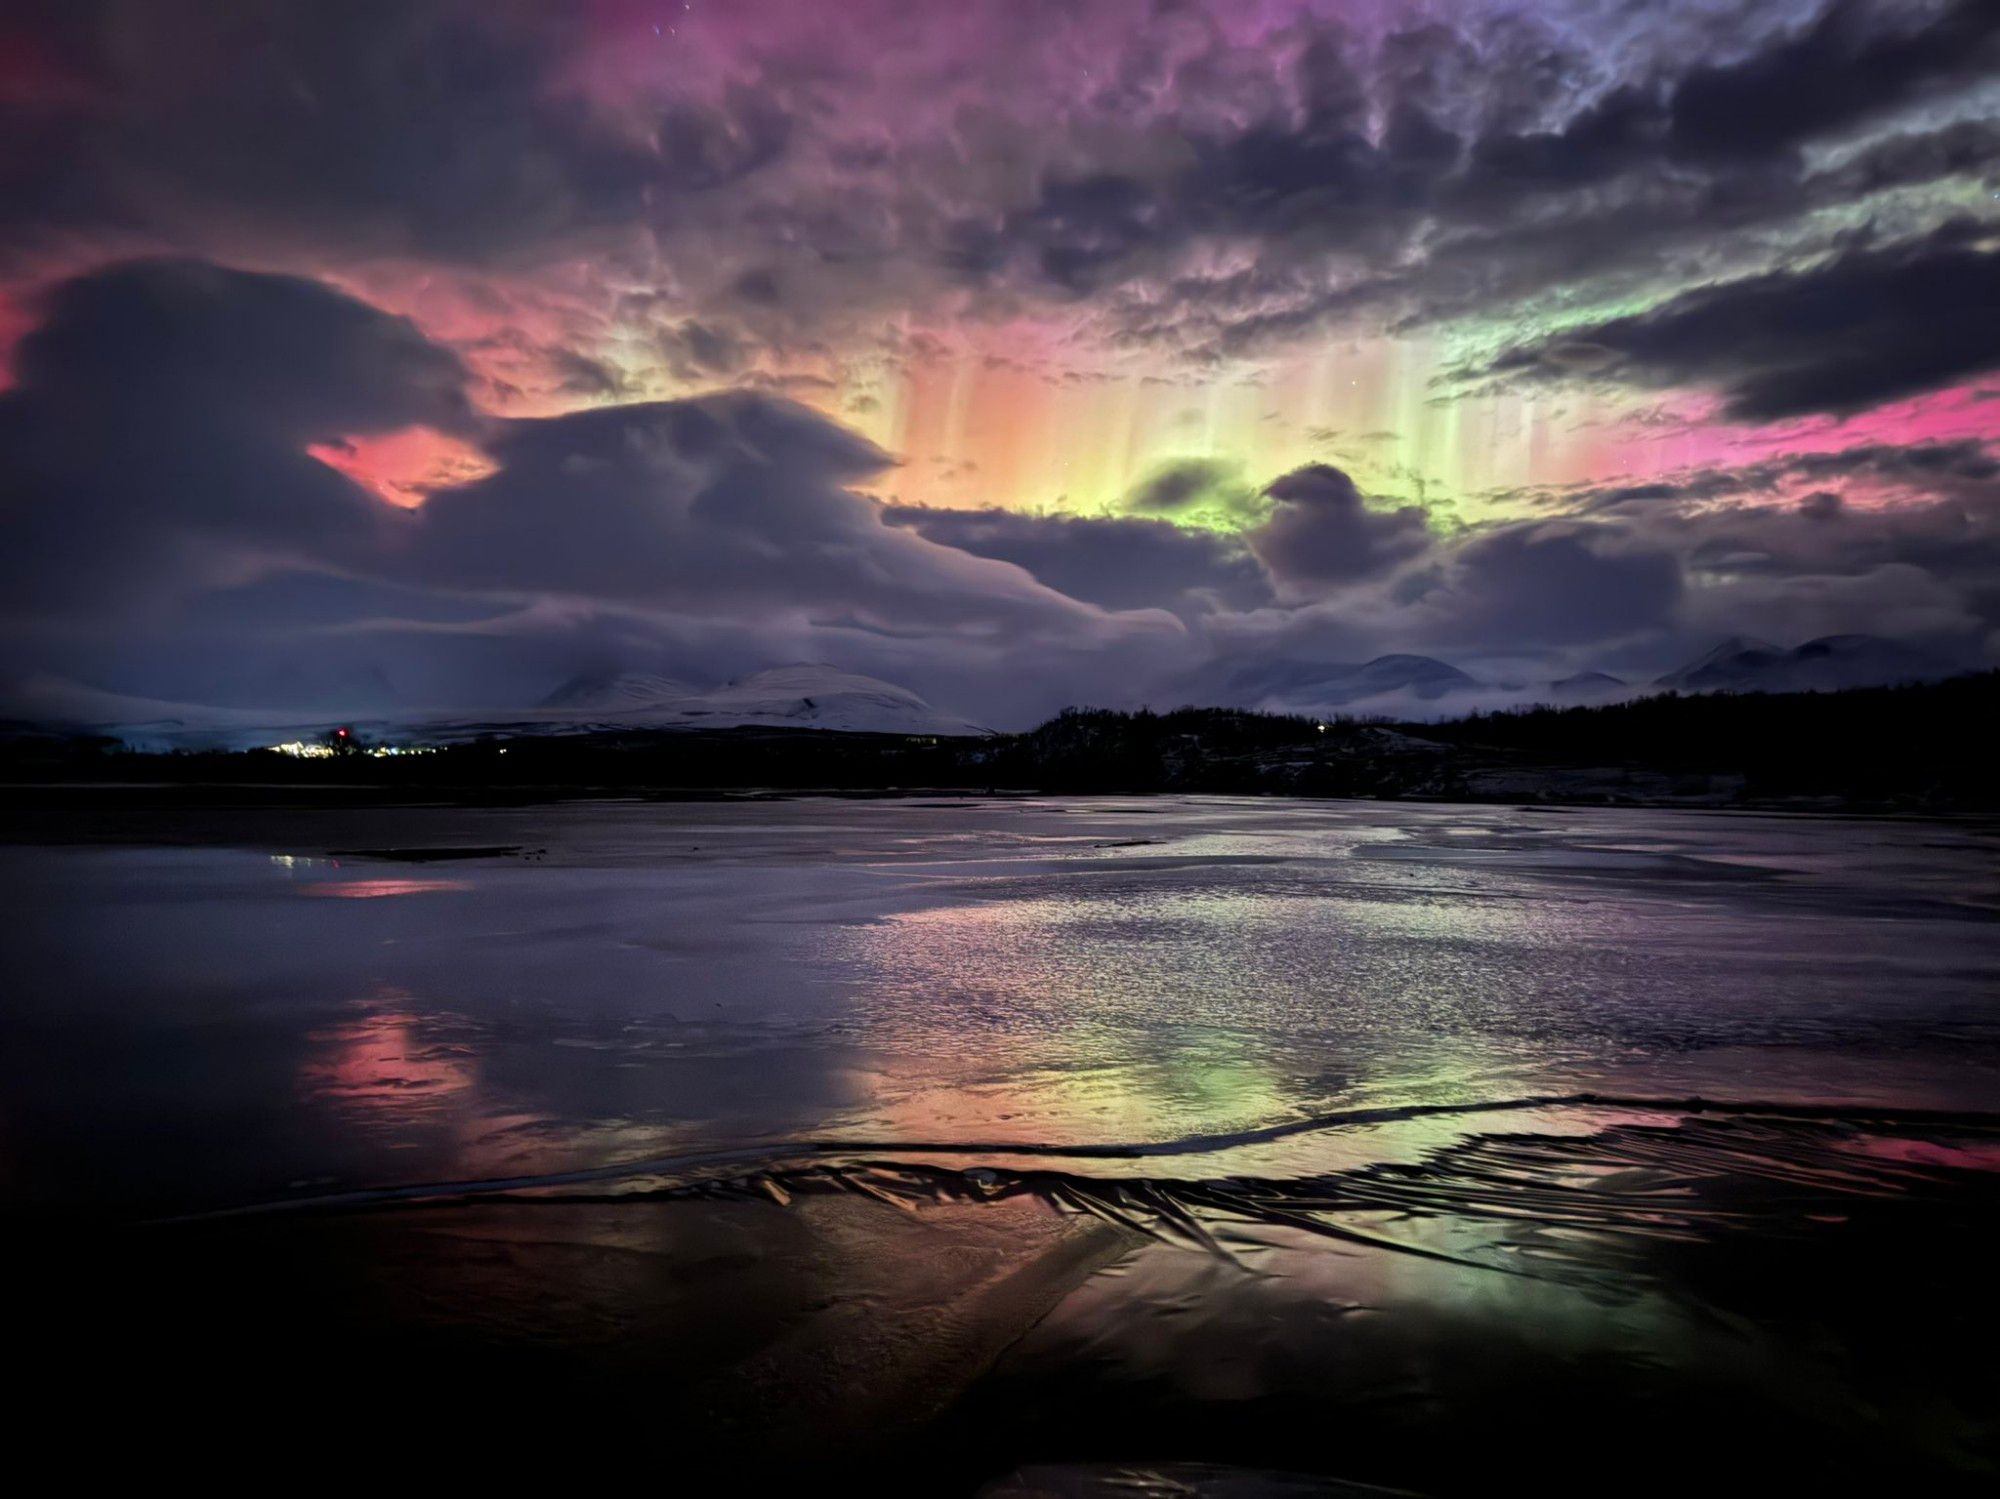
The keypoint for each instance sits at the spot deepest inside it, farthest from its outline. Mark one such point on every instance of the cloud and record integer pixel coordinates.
(173, 528)
(1908, 544)
(738, 501)
(1114, 562)
(1554, 584)
(1197, 180)
(437, 127)
(165, 340)
(1321, 531)
(1895, 470)
(1325, 176)
(1499, 600)
(156, 435)
(176, 538)
(1899, 600)
(1866, 327)
(1207, 492)
(1851, 62)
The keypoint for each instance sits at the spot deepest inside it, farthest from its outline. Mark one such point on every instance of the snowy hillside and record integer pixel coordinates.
(1825, 665)
(1586, 687)
(805, 697)
(1322, 687)
(625, 692)
(801, 697)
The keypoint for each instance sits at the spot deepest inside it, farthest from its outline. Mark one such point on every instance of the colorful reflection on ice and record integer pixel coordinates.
(378, 889)
(380, 1070)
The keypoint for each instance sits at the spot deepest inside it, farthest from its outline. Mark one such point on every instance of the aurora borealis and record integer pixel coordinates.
(433, 352)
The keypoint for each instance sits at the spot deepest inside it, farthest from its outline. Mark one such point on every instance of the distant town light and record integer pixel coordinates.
(319, 750)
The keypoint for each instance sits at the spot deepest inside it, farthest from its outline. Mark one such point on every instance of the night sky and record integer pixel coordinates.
(430, 353)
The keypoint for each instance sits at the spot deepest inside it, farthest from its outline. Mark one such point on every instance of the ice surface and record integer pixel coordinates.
(620, 981)
(1163, 1146)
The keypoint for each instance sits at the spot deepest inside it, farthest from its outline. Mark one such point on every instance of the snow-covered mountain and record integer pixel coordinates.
(823, 697)
(153, 724)
(621, 692)
(1320, 686)
(802, 697)
(1827, 664)
(806, 697)
(1586, 687)
(1714, 666)
(157, 726)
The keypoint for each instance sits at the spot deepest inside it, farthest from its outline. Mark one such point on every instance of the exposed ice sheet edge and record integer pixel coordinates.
(820, 1155)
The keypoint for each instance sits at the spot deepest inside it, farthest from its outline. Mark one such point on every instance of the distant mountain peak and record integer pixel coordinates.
(1416, 668)
(1318, 686)
(625, 691)
(802, 695)
(1587, 684)
(1825, 664)
(1408, 659)
(1737, 645)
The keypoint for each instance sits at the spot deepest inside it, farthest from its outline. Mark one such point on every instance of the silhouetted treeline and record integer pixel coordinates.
(1103, 750)
(1916, 748)
(655, 761)
(1929, 740)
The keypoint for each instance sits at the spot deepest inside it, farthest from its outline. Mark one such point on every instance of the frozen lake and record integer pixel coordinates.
(1158, 1096)
(251, 1005)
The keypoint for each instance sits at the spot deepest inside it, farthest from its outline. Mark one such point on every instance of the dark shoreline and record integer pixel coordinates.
(30, 797)
(687, 1127)
(1919, 750)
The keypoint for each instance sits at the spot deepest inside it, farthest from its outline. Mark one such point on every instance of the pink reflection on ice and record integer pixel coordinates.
(376, 889)
(381, 1069)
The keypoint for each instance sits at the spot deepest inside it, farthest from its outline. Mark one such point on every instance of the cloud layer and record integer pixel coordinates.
(1028, 353)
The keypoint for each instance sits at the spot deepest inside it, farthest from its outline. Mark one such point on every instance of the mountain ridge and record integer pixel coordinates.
(817, 696)
(797, 696)
(1823, 664)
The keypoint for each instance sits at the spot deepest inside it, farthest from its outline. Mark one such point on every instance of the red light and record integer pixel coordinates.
(340, 733)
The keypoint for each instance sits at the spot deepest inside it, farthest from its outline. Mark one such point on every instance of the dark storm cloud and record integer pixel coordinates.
(1554, 584)
(1198, 491)
(1764, 548)
(1426, 172)
(738, 500)
(1865, 327)
(1853, 62)
(1323, 165)
(1924, 468)
(435, 127)
(158, 425)
(156, 341)
(152, 452)
(1934, 505)
(168, 529)
(1929, 464)
(1505, 600)
(1322, 532)
(1310, 169)
(177, 398)
(1447, 171)
(1179, 486)
(1117, 563)
(1949, 527)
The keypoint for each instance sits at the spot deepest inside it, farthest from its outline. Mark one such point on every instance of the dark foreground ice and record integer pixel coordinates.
(1066, 1147)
